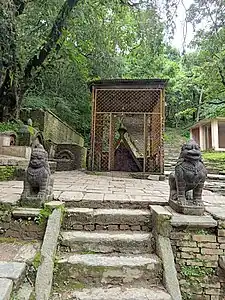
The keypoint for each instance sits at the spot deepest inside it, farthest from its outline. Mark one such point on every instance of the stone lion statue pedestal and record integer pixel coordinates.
(38, 182)
(186, 183)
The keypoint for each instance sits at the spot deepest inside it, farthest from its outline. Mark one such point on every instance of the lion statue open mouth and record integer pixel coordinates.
(190, 175)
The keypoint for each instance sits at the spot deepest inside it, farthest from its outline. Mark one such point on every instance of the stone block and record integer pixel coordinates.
(164, 251)
(135, 228)
(161, 218)
(89, 227)
(193, 221)
(43, 283)
(191, 262)
(212, 291)
(77, 227)
(186, 255)
(180, 236)
(17, 151)
(212, 251)
(23, 212)
(6, 286)
(125, 227)
(186, 244)
(221, 232)
(12, 270)
(204, 238)
(206, 257)
(4, 140)
(222, 246)
(221, 239)
(190, 210)
(190, 249)
(209, 245)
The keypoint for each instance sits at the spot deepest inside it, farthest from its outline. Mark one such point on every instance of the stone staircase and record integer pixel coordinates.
(171, 154)
(108, 254)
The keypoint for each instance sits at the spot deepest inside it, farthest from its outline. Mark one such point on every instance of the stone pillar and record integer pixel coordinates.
(215, 134)
(191, 134)
(202, 137)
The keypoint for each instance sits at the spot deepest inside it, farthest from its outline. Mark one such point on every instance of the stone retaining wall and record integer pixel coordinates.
(52, 127)
(20, 228)
(197, 254)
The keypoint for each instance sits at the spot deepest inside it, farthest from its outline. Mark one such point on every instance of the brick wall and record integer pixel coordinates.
(197, 254)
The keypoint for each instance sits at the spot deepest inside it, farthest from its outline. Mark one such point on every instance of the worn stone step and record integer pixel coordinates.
(118, 293)
(114, 201)
(107, 242)
(96, 269)
(92, 219)
(6, 286)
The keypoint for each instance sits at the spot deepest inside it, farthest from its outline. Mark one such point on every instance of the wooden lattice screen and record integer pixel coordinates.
(139, 106)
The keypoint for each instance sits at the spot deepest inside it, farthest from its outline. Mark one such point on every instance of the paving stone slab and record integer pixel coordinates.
(118, 293)
(6, 286)
(217, 212)
(12, 270)
(107, 242)
(70, 196)
(18, 252)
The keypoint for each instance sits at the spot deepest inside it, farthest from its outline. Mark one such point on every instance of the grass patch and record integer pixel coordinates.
(7, 173)
(214, 156)
(176, 135)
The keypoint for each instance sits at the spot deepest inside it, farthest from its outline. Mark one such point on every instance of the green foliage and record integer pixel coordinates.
(43, 215)
(214, 156)
(194, 276)
(112, 39)
(196, 272)
(10, 126)
(37, 260)
(7, 173)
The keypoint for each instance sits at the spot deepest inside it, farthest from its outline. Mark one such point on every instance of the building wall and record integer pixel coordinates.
(221, 132)
(195, 135)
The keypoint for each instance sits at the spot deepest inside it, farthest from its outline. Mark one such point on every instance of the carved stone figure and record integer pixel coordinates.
(38, 183)
(186, 183)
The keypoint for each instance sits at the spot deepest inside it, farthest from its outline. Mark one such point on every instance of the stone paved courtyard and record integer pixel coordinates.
(77, 186)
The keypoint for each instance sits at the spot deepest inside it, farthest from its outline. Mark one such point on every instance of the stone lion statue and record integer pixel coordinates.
(38, 183)
(190, 175)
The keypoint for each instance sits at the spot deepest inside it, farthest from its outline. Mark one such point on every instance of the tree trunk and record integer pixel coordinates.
(12, 89)
(199, 105)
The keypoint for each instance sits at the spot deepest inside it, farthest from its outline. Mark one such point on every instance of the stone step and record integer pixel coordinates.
(95, 269)
(118, 293)
(100, 219)
(107, 242)
(113, 201)
(6, 286)
(13, 271)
